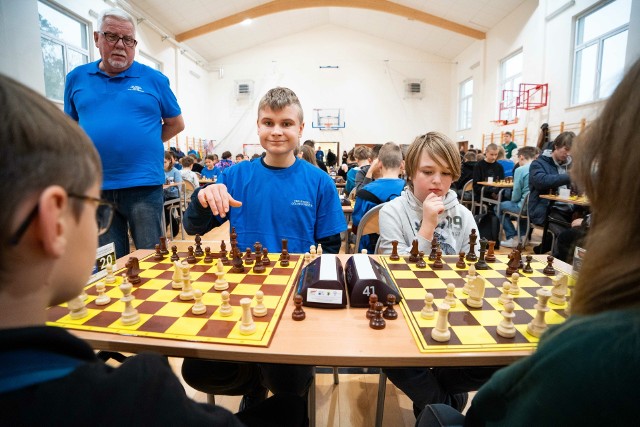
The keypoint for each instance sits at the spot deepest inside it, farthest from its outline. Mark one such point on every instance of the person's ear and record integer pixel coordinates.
(52, 220)
(301, 129)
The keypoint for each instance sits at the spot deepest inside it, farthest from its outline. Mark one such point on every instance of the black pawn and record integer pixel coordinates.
(158, 256)
(461, 263)
(421, 263)
(434, 249)
(198, 252)
(394, 251)
(163, 246)
(259, 267)
(373, 299)
(527, 268)
(377, 322)
(549, 270)
(191, 258)
(298, 312)
(390, 312)
(208, 256)
(174, 253)
(437, 263)
(265, 257)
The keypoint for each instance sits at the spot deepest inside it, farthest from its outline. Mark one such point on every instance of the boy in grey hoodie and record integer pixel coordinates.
(428, 207)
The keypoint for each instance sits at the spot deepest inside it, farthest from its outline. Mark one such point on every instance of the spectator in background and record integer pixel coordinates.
(543, 138)
(223, 164)
(331, 158)
(239, 158)
(306, 153)
(319, 162)
(485, 169)
(507, 164)
(208, 171)
(345, 157)
(130, 145)
(187, 173)
(466, 174)
(197, 166)
(361, 155)
(361, 176)
(508, 144)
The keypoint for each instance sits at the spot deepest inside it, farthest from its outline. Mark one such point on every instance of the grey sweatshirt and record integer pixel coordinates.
(400, 220)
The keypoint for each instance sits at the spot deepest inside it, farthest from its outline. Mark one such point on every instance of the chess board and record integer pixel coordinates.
(164, 315)
(472, 329)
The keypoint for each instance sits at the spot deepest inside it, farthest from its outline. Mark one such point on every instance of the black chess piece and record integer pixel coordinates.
(420, 262)
(461, 263)
(158, 256)
(482, 264)
(208, 256)
(414, 253)
(471, 255)
(373, 299)
(174, 253)
(390, 312)
(265, 257)
(549, 270)
(163, 246)
(198, 250)
(437, 263)
(527, 268)
(377, 322)
(491, 255)
(259, 267)
(191, 258)
(434, 249)
(298, 312)
(394, 251)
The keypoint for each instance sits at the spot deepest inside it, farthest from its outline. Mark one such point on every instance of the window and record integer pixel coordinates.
(145, 59)
(599, 52)
(510, 79)
(65, 45)
(466, 104)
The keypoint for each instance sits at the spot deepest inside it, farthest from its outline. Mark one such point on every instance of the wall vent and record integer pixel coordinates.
(414, 88)
(244, 89)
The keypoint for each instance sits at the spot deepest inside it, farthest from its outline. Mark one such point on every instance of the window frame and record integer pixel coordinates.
(465, 106)
(579, 48)
(66, 46)
(510, 80)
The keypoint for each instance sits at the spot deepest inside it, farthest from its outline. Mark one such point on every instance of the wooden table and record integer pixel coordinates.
(338, 337)
(498, 184)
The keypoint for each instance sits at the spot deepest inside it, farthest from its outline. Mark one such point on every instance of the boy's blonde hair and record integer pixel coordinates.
(278, 98)
(361, 152)
(390, 156)
(38, 143)
(440, 148)
(187, 161)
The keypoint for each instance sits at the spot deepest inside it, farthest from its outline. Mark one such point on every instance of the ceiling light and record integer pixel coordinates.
(247, 22)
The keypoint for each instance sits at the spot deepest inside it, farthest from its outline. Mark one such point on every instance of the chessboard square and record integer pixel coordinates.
(414, 304)
(254, 279)
(235, 317)
(216, 328)
(103, 319)
(234, 277)
(212, 298)
(143, 319)
(157, 324)
(245, 289)
(425, 323)
(277, 270)
(454, 340)
(522, 328)
(68, 320)
(150, 307)
(276, 279)
(517, 339)
(527, 282)
(204, 286)
(208, 277)
(404, 274)
(414, 294)
(55, 312)
(408, 283)
(270, 301)
(173, 309)
(448, 274)
(487, 317)
(432, 284)
(155, 284)
(526, 303)
(473, 335)
(163, 295)
(153, 265)
(542, 280)
(258, 335)
(189, 326)
(276, 290)
(462, 318)
(491, 274)
(150, 274)
(397, 265)
(424, 274)
(554, 317)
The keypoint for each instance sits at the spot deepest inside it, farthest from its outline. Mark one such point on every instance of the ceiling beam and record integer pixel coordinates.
(277, 6)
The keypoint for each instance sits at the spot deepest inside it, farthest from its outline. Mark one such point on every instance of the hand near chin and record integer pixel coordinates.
(432, 207)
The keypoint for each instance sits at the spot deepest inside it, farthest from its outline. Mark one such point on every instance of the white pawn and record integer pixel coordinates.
(77, 308)
(84, 295)
(504, 296)
(187, 289)
(247, 327)
(364, 251)
(441, 332)
(225, 309)
(514, 290)
(307, 258)
(319, 250)
(313, 252)
(130, 315)
(427, 311)
(220, 284)
(470, 276)
(111, 278)
(260, 310)
(102, 298)
(198, 307)
(450, 299)
(176, 282)
(506, 328)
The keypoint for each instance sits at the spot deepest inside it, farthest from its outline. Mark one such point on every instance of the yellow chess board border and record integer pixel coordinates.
(261, 338)
(415, 328)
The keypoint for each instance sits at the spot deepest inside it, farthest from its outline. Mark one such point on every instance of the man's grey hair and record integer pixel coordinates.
(118, 14)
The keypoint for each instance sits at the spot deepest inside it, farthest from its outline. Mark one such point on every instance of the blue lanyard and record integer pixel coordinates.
(23, 368)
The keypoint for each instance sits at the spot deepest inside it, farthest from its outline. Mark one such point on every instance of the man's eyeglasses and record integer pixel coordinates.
(113, 38)
(104, 216)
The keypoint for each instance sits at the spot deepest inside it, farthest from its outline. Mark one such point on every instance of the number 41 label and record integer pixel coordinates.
(104, 255)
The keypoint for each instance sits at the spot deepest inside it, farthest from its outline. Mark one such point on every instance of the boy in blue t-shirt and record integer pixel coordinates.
(269, 199)
(387, 186)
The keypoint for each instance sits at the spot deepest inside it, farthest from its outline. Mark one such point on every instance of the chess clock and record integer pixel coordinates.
(104, 255)
(365, 276)
(321, 283)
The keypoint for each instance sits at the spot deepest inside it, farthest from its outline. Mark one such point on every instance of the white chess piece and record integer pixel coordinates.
(427, 311)
(176, 282)
(506, 328)
(220, 284)
(77, 308)
(450, 299)
(559, 290)
(514, 290)
(198, 307)
(476, 292)
(260, 310)
(111, 278)
(102, 298)
(187, 289)
(538, 325)
(319, 250)
(441, 332)
(504, 296)
(247, 327)
(470, 276)
(130, 315)
(225, 309)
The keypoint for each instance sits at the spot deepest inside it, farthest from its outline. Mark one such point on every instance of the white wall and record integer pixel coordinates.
(547, 51)
(368, 85)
